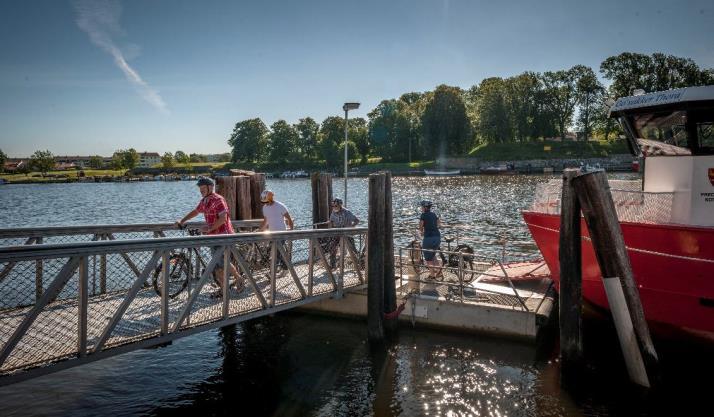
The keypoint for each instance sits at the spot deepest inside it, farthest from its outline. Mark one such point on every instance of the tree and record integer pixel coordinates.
(308, 131)
(589, 91)
(181, 157)
(42, 161)
(332, 134)
(167, 161)
(283, 141)
(390, 130)
(561, 97)
(3, 158)
(491, 111)
(96, 162)
(249, 141)
(446, 127)
(627, 71)
(125, 159)
(359, 135)
(194, 157)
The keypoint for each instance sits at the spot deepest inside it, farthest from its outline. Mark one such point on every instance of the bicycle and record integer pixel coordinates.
(462, 257)
(181, 269)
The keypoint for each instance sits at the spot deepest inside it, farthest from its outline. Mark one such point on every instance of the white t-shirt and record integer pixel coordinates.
(273, 214)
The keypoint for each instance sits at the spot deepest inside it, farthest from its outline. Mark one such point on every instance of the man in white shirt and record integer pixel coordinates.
(275, 214)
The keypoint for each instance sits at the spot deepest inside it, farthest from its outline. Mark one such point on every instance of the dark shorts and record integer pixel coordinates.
(429, 244)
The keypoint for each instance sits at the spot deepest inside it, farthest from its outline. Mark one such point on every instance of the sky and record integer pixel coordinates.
(89, 77)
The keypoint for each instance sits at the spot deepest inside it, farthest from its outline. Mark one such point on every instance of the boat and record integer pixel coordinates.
(499, 170)
(442, 172)
(666, 217)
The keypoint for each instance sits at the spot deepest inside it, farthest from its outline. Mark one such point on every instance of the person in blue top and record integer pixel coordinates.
(429, 228)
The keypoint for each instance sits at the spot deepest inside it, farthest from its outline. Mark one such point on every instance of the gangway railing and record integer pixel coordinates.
(458, 275)
(172, 290)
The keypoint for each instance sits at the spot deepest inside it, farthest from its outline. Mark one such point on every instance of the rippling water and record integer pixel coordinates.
(292, 364)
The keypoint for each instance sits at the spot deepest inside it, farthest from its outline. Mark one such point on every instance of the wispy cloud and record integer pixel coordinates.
(100, 19)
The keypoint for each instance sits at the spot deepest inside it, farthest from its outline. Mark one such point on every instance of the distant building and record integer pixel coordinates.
(149, 159)
(78, 161)
(13, 165)
(63, 166)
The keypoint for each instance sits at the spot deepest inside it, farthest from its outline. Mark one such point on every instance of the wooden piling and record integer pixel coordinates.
(226, 186)
(375, 257)
(243, 198)
(321, 196)
(571, 299)
(390, 289)
(598, 208)
(257, 185)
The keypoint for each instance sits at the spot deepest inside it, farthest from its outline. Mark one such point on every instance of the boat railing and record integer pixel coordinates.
(631, 203)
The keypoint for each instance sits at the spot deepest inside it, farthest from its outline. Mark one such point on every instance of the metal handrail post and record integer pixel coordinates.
(341, 280)
(165, 292)
(273, 270)
(461, 277)
(226, 279)
(310, 266)
(82, 308)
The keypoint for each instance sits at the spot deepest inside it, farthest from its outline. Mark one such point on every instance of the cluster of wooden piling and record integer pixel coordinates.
(242, 191)
(321, 183)
(590, 193)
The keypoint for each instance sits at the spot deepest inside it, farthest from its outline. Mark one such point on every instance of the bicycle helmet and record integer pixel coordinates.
(337, 201)
(205, 181)
(425, 203)
(266, 196)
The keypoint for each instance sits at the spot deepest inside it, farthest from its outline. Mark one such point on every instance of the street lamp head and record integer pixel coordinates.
(350, 106)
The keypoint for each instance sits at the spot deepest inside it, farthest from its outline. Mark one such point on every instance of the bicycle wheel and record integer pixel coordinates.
(467, 262)
(179, 274)
(415, 256)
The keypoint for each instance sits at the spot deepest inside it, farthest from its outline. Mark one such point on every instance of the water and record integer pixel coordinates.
(293, 364)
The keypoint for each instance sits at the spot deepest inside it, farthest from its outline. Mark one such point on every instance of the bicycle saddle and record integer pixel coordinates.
(449, 239)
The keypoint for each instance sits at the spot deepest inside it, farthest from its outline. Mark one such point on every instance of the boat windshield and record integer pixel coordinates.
(674, 132)
(662, 133)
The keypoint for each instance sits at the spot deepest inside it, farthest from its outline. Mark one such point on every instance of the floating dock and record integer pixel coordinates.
(513, 300)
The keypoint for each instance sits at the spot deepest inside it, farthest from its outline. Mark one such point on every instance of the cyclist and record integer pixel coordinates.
(429, 224)
(275, 214)
(275, 217)
(340, 217)
(217, 216)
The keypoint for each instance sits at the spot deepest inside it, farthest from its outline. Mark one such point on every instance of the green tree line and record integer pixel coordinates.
(451, 121)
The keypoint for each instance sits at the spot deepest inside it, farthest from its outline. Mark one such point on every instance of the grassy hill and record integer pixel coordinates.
(558, 150)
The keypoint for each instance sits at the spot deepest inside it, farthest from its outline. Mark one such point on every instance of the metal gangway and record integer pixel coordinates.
(73, 295)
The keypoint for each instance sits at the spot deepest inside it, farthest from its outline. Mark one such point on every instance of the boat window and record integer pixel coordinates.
(705, 133)
(668, 127)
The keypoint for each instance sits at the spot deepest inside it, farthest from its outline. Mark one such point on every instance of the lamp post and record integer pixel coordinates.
(347, 107)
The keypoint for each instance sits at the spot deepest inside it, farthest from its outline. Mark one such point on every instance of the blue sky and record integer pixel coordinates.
(88, 77)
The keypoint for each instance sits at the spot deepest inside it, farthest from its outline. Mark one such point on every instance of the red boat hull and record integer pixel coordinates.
(673, 266)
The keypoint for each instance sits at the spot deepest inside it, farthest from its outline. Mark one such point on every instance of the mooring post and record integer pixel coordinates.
(571, 345)
(321, 196)
(226, 186)
(244, 209)
(375, 257)
(390, 289)
(598, 208)
(257, 185)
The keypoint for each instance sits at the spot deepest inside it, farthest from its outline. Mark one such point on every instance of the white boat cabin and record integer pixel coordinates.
(673, 131)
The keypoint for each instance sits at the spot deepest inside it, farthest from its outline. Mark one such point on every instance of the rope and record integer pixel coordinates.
(395, 314)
